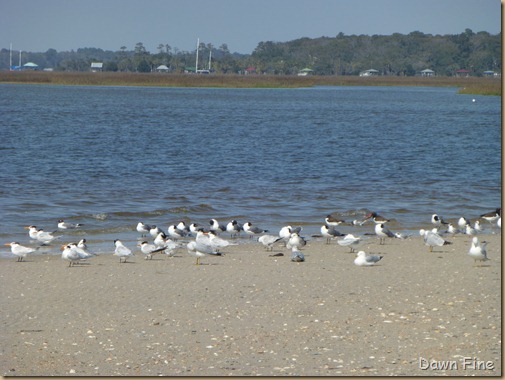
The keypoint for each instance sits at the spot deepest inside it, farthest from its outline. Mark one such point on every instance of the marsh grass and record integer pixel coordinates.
(471, 85)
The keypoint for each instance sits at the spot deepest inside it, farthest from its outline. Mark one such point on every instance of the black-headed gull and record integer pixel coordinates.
(383, 233)
(68, 226)
(437, 220)
(329, 233)
(251, 230)
(143, 228)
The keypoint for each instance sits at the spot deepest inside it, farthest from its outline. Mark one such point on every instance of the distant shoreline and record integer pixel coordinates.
(471, 85)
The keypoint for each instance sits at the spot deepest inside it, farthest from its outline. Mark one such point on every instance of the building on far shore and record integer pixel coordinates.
(369, 73)
(427, 73)
(463, 73)
(304, 72)
(96, 66)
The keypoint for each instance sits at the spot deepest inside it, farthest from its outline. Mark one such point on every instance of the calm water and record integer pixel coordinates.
(109, 157)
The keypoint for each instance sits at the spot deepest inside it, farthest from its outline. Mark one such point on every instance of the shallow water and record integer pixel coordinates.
(109, 157)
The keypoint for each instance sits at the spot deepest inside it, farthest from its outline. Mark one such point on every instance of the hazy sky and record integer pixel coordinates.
(39, 25)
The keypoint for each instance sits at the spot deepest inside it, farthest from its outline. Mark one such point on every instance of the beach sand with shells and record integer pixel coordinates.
(250, 313)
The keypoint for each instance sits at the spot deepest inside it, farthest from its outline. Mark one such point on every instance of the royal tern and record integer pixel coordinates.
(296, 255)
(216, 242)
(478, 250)
(433, 239)
(20, 251)
(383, 233)
(122, 251)
(348, 241)
(329, 233)
(40, 235)
(251, 230)
(83, 253)
(268, 241)
(68, 226)
(149, 249)
(363, 259)
(70, 254)
(199, 250)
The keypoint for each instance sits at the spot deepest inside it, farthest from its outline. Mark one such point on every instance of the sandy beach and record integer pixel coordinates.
(248, 313)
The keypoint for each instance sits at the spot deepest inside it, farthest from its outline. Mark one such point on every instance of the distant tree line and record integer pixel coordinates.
(396, 54)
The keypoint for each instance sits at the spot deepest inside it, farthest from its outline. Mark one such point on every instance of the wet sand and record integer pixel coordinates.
(248, 313)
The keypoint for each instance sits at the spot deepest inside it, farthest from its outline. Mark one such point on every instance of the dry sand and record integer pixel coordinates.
(247, 313)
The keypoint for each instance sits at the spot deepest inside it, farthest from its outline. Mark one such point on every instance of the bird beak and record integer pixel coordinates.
(27, 227)
(63, 246)
(7, 244)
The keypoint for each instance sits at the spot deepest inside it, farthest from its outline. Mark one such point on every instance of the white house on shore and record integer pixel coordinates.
(96, 66)
(427, 73)
(369, 73)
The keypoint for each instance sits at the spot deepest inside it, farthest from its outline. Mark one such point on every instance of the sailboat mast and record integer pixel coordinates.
(210, 58)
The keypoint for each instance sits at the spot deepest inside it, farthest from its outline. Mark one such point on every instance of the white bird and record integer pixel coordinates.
(69, 254)
(462, 222)
(122, 251)
(383, 233)
(68, 226)
(193, 228)
(348, 241)
(234, 228)
(296, 255)
(268, 241)
(295, 241)
(199, 250)
(469, 230)
(330, 220)
(216, 226)
(32, 232)
(83, 253)
(175, 233)
(433, 239)
(82, 244)
(20, 251)
(160, 240)
(363, 259)
(451, 229)
(498, 223)
(478, 250)
(251, 230)
(286, 231)
(477, 226)
(44, 237)
(154, 231)
(437, 220)
(143, 228)
(329, 233)
(182, 227)
(216, 242)
(149, 249)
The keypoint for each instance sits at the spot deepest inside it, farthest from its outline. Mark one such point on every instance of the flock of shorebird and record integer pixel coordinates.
(206, 241)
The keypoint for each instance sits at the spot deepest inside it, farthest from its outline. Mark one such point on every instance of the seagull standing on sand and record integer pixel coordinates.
(295, 241)
(216, 226)
(478, 250)
(69, 254)
(363, 259)
(268, 241)
(348, 241)
(199, 250)
(234, 228)
(175, 233)
(154, 231)
(433, 239)
(122, 251)
(329, 233)
(252, 230)
(216, 242)
(20, 251)
(383, 233)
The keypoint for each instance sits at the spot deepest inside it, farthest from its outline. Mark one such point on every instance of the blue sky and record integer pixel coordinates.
(39, 25)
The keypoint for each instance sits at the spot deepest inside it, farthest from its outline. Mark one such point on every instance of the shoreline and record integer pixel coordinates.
(471, 85)
(248, 313)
